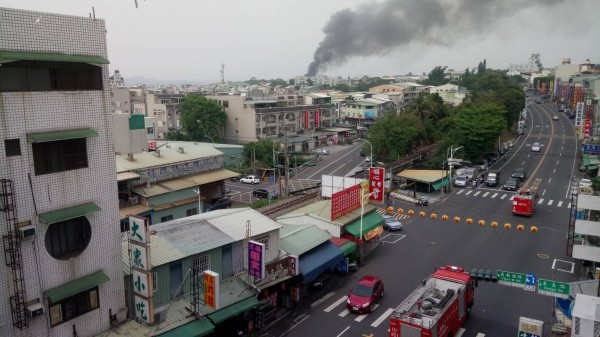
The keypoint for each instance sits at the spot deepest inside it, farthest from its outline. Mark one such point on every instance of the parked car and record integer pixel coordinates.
(493, 178)
(585, 183)
(250, 180)
(511, 184)
(363, 296)
(535, 147)
(472, 173)
(219, 203)
(367, 159)
(362, 152)
(391, 224)
(461, 180)
(264, 193)
(492, 157)
(482, 164)
(321, 151)
(555, 117)
(520, 174)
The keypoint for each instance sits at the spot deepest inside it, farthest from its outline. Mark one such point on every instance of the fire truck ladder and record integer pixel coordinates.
(12, 253)
(411, 299)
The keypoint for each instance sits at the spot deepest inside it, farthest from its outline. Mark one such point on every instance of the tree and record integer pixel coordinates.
(437, 76)
(201, 118)
(261, 151)
(394, 136)
(342, 87)
(278, 82)
(477, 127)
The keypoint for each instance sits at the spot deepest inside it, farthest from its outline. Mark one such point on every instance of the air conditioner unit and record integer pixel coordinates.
(34, 310)
(134, 200)
(26, 232)
(160, 315)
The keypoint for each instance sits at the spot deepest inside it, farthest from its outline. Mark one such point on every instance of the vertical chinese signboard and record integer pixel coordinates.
(345, 201)
(211, 289)
(293, 267)
(578, 114)
(587, 127)
(376, 178)
(256, 259)
(317, 118)
(141, 265)
(306, 119)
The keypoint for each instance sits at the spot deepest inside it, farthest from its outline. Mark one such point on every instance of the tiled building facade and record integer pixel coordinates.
(58, 213)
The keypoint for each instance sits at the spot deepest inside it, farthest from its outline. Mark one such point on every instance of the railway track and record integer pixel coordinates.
(291, 203)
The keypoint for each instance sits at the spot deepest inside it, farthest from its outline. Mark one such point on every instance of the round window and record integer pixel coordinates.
(67, 239)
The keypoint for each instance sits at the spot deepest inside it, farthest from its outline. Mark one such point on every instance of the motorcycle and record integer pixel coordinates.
(422, 201)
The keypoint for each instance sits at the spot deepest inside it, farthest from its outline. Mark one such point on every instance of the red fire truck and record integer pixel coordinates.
(524, 202)
(438, 307)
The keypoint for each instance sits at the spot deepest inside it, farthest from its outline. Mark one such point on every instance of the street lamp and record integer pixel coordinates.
(450, 164)
(362, 212)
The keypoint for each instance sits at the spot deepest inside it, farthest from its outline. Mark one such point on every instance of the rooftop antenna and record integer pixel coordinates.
(222, 72)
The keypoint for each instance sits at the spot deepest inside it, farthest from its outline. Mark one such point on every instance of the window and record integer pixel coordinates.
(166, 218)
(201, 263)
(265, 241)
(192, 211)
(12, 147)
(226, 104)
(49, 76)
(58, 156)
(73, 306)
(154, 282)
(67, 239)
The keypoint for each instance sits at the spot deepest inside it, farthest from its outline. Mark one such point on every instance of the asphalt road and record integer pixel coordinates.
(407, 257)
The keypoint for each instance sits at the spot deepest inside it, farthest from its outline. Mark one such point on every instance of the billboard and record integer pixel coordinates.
(376, 179)
(317, 118)
(345, 201)
(256, 259)
(211, 289)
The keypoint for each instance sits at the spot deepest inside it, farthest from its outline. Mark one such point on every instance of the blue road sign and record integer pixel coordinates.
(390, 202)
(530, 280)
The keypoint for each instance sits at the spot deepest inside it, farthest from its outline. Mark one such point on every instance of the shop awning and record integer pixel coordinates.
(197, 328)
(233, 310)
(437, 185)
(60, 135)
(75, 287)
(345, 245)
(125, 176)
(316, 261)
(370, 222)
(8, 56)
(69, 213)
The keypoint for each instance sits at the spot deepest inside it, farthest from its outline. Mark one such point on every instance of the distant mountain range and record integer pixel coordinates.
(134, 80)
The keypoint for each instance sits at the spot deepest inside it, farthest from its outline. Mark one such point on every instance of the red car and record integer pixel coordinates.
(365, 294)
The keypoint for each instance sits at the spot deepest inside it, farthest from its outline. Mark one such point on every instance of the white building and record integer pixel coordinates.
(532, 65)
(61, 270)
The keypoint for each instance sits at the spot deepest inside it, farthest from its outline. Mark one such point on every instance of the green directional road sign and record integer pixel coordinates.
(508, 278)
(553, 288)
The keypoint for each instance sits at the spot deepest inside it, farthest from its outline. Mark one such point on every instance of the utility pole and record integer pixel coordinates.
(450, 164)
(287, 163)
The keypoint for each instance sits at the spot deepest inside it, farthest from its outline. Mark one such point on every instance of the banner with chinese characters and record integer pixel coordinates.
(373, 233)
(142, 283)
(138, 229)
(144, 309)
(345, 201)
(211, 289)
(376, 178)
(139, 255)
(317, 118)
(256, 259)
(306, 119)
(579, 114)
(587, 127)
(293, 265)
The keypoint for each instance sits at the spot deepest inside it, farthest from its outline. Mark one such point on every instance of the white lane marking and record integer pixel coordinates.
(569, 205)
(549, 180)
(559, 204)
(469, 192)
(553, 171)
(544, 192)
(460, 332)
(503, 196)
(382, 318)
(341, 333)
(459, 192)
(479, 334)
(476, 193)
(335, 304)
(295, 325)
(540, 201)
(344, 313)
(523, 164)
(494, 195)
(511, 197)
(485, 194)
(550, 202)
(359, 318)
(557, 162)
(321, 300)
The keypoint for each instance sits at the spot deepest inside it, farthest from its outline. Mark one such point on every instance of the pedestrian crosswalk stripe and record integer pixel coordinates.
(335, 304)
(459, 192)
(550, 202)
(494, 195)
(540, 201)
(460, 332)
(485, 194)
(468, 192)
(503, 196)
(476, 193)
(512, 197)
(359, 318)
(344, 313)
(559, 204)
(382, 318)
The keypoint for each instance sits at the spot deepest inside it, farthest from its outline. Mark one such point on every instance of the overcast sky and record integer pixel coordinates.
(177, 40)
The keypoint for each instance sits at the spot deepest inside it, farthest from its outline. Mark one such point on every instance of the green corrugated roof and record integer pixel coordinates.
(304, 239)
(196, 328)
(348, 248)
(370, 221)
(69, 213)
(60, 135)
(75, 287)
(8, 56)
(233, 310)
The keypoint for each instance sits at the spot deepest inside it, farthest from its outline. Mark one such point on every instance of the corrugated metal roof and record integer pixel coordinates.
(426, 176)
(303, 239)
(133, 210)
(304, 219)
(168, 156)
(591, 202)
(232, 221)
(334, 129)
(181, 238)
(177, 184)
(322, 209)
(123, 176)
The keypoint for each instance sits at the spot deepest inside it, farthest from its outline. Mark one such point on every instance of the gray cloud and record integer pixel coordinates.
(379, 28)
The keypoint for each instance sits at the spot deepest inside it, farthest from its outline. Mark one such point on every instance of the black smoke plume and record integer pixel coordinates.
(377, 28)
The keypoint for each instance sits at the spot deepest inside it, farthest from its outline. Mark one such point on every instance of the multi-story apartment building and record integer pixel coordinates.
(59, 216)
(533, 64)
(165, 107)
(250, 120)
